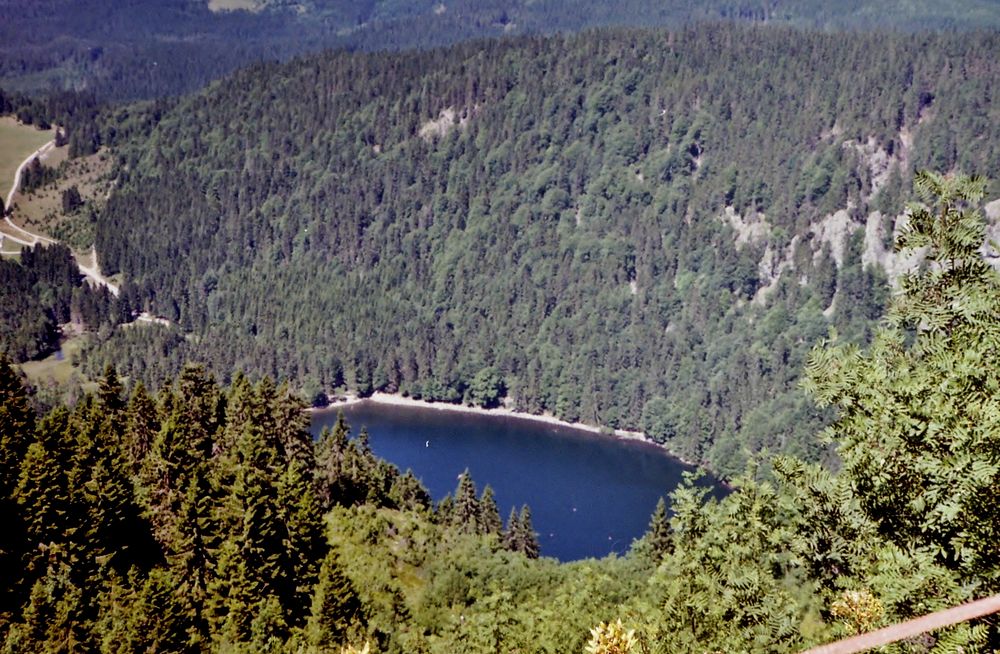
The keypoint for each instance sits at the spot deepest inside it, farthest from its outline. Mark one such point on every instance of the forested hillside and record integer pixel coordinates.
(204, 519)
(632, 229)
(149, 48)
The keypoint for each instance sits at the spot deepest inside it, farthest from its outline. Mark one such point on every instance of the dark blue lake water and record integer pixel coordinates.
(590, 495)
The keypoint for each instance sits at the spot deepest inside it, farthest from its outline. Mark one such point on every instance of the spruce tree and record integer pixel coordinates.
(161, 618)
(331, 451)
(44, 501)
(110, 393)
(114, 528)
(179, 497)
(292, 426)
(364, 475)
(302, 517)
(269, 627)
(242, 412)
(44, 494)
(335, 606)
(54, 618)
(17, 426)
(142, 424)
(192, 557)
(407, 493)
(257, 541)
(466, 512)
(182, 451)
(489, 514)
(528, 538)
(272, 514)
(658, 534)
(445, 509)
(512, 535)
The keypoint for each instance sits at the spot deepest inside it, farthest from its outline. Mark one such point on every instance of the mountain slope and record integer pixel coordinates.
(632, 229)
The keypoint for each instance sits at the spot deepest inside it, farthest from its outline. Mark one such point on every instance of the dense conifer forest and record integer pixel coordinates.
(633, 229)
(203, 518)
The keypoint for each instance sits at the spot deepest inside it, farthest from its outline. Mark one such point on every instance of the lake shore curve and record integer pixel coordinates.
(397, 400)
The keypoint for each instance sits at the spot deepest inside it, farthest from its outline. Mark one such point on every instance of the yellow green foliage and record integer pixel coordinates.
(861, 610)
(611, 638)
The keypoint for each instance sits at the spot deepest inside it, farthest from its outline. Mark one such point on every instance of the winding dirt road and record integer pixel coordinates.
(22, 236)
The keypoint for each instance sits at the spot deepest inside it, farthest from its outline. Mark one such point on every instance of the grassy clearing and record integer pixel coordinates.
(16, 143)
(42, 211)
(56, 370)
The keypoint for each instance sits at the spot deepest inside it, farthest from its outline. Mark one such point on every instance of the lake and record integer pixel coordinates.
(590, 495)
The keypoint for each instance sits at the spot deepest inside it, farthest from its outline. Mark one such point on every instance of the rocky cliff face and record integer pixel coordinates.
(832, 232)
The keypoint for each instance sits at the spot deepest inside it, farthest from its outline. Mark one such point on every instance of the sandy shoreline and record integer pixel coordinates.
(392, 399)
